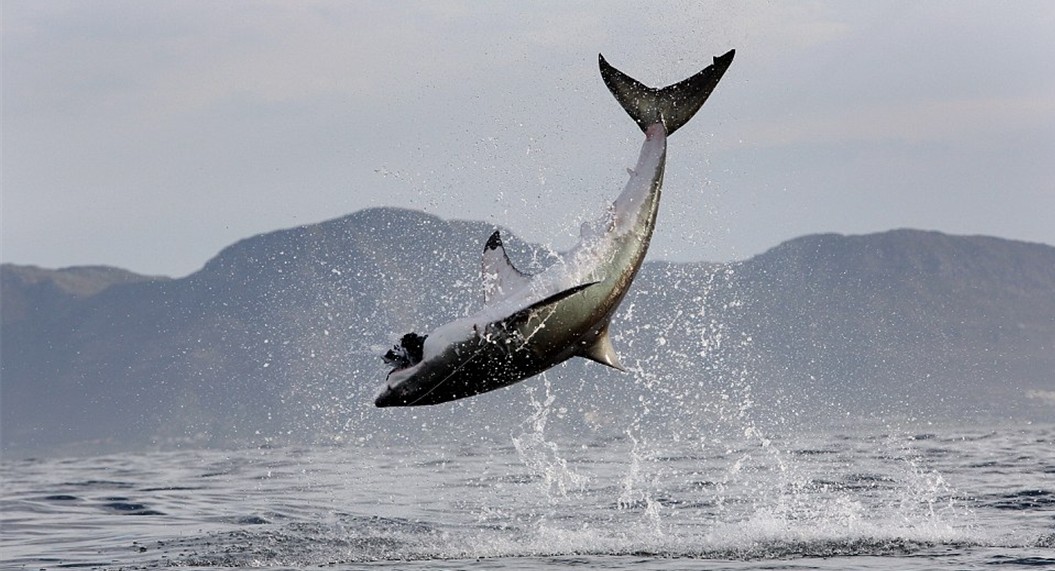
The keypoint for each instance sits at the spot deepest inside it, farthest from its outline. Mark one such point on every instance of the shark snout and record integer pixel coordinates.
(387, 397)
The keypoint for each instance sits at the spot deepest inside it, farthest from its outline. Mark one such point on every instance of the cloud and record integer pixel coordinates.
(954, 120)
(182, 57)
(233, 119)
(172, 59)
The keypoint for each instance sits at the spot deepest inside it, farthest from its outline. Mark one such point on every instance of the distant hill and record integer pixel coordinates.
(278, 338)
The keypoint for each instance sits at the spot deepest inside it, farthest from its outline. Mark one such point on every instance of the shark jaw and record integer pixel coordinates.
(531, 323)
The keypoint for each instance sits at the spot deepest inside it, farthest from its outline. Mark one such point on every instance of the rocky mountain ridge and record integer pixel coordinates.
(279, 337)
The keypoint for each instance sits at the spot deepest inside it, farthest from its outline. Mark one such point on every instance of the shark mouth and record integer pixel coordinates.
(408, 353)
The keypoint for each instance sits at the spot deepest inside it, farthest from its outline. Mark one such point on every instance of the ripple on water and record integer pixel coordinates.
(1024, 500)
(123, 506)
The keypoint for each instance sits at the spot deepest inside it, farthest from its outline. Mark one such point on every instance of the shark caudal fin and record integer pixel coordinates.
(673, 105)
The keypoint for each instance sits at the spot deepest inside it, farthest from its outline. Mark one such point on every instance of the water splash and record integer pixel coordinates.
(697, 431)
(542, 456)
(636, 492)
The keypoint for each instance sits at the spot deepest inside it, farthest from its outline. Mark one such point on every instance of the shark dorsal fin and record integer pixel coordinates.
(500, 277)
(601, 351)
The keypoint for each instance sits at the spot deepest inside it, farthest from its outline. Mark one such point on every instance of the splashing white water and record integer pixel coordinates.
(542, 456)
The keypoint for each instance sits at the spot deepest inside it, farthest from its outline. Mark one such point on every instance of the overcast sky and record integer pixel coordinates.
(150, 135)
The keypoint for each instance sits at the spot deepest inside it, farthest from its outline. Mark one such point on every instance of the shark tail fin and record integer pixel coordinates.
(673, 105)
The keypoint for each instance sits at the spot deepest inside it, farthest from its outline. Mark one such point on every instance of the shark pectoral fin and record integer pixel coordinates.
(525, 313)
(601, 351)
(500, 277)
(559, 296)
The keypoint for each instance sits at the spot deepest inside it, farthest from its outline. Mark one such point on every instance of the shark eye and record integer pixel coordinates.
(408, 353)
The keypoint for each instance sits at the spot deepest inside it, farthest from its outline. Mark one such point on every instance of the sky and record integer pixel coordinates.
(150, 135)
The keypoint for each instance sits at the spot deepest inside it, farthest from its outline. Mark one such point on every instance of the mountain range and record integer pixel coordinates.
(279, 337)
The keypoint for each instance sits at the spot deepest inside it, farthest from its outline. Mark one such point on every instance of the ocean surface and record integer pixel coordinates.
(872, 497)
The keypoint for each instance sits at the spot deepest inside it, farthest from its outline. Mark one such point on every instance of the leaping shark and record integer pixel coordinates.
(531, 323)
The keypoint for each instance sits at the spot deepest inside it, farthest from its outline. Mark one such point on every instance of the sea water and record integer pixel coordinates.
(872, 497)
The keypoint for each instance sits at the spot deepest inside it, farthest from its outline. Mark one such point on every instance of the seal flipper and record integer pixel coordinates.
(500, 277)
(408, 353)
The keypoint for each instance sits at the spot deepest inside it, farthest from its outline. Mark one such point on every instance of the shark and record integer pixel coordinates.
(530, 323)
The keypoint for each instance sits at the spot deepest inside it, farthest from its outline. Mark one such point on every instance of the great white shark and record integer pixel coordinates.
(531, 323)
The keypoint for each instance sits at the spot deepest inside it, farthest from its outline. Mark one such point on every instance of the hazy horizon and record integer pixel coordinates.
(651, 257)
